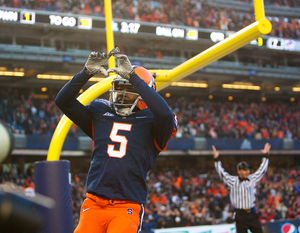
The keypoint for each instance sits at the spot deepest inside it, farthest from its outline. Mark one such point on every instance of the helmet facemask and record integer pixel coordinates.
(117, 97)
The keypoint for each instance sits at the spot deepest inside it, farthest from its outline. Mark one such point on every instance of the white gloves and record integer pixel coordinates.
(124, 68)
(96, 61)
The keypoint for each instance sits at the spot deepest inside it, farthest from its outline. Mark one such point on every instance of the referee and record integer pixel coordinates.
(243, 189)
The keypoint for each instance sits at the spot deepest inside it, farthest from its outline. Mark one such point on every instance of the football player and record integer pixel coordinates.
(128, 132)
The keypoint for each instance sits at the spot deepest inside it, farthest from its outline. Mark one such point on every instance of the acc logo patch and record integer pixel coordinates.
(129, 211)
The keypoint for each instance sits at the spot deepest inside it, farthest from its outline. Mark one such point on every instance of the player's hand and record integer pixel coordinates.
(216, 153)
(123, 68)
(96, 61)
(266, 149)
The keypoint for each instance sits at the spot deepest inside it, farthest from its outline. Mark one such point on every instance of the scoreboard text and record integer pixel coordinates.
(43, 18)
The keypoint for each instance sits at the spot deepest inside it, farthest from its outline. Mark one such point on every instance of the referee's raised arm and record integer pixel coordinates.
(225, 176)
(260, 172)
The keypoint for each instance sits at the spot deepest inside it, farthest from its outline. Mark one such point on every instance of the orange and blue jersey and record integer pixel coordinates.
(125, 147)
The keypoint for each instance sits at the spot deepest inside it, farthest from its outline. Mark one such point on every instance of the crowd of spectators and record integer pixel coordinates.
(229, 119)
(29, 115)
(194, 13)
(187, 197)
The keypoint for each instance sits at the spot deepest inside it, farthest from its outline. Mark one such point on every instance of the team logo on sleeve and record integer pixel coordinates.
(108, 114)
(106, 102)
(129, 211)
(176, 120)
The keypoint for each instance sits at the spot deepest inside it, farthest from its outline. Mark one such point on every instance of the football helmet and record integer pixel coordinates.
(120, 87)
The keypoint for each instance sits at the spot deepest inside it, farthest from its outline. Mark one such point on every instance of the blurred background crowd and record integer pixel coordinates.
(188, 196)
(197, 118)
(194, 13)
(231, 119)
(180, 196)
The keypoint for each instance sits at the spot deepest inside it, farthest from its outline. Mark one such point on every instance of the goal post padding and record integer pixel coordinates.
(52, 180)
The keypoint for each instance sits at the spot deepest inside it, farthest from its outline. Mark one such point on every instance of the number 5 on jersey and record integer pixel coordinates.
(114, 137)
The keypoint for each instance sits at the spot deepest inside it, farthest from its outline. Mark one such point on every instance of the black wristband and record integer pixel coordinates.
(217, 159)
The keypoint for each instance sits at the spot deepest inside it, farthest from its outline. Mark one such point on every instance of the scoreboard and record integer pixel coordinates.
(65, 20)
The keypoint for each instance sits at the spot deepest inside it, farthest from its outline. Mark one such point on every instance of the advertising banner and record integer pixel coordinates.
(181, 144)
(297, 144)
(284, 226)
(242, 144)
(224, 228)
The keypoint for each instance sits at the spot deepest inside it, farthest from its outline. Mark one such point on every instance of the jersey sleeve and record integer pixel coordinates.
(165, 123)
(162, 134)
(225, 176)
(261, 171)
(71, 107)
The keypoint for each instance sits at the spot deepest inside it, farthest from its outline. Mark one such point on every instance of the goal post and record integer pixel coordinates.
(166, 77)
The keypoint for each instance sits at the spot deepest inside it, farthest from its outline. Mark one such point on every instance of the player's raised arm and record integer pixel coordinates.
(66, 98)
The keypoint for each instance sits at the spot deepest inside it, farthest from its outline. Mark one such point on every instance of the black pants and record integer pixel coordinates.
(247, 219)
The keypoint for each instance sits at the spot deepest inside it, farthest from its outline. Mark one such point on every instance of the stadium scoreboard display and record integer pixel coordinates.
(43, 18)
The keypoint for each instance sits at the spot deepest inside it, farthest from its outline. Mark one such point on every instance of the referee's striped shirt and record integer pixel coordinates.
(242, 192)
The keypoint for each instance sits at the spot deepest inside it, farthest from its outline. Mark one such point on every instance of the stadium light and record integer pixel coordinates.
(296, 89)
(276, 88)
(12, 73)
(186, 84)
(44, 89)
(241, 87)
(53, 76)
(64, 77)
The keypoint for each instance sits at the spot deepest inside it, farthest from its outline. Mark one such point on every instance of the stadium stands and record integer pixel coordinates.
(225, 15)
(188, 196)
(197, 118)
(236, 119)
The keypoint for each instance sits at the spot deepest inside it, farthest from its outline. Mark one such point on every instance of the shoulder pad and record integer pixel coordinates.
(103, 101)
(99, 103)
